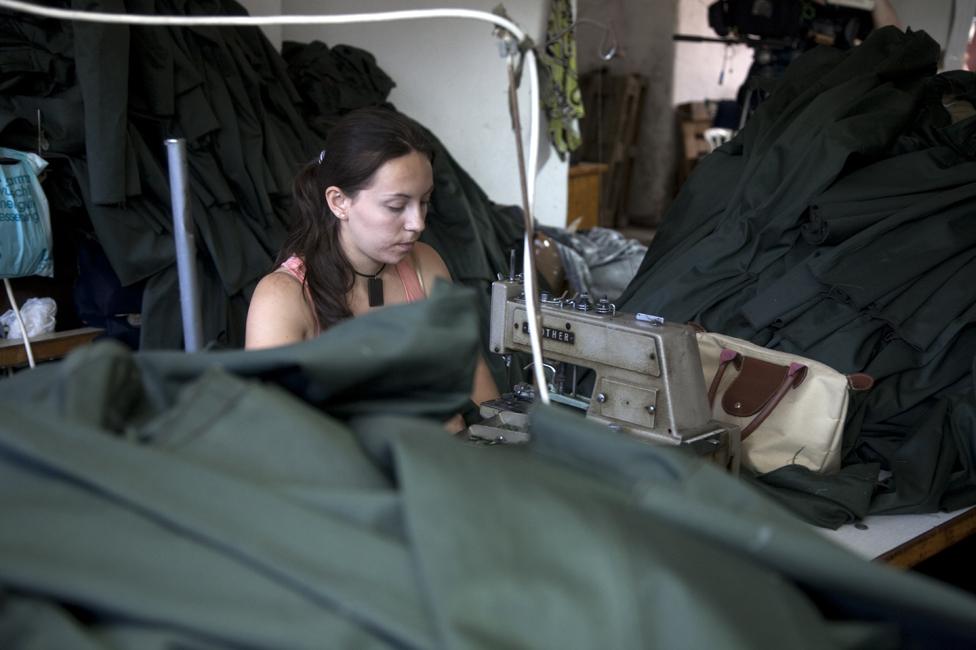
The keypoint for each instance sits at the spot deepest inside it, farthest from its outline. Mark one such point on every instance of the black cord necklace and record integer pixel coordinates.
(374, 286)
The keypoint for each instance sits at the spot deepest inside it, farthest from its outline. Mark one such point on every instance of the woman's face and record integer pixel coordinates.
(380, 224)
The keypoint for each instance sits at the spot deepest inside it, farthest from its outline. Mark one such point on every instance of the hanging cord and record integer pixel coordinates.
(20, 321)
(726, 63)
(516, 34)
(528, 263)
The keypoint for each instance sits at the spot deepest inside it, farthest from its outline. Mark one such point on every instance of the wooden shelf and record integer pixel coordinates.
(932, 541)
(584, 194)
(905, 540)
(46, 346)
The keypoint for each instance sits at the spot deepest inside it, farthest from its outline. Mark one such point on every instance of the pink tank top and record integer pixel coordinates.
(408, 277)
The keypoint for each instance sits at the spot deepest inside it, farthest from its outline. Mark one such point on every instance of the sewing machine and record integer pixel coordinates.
(648, 375)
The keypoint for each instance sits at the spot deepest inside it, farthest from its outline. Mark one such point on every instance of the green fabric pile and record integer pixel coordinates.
(838, 225)
(307, 497)
(120, 93)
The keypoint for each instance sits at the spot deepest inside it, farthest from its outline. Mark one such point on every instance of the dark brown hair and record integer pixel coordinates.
(358, 145)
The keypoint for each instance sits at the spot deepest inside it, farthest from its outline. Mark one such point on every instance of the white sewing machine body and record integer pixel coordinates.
(648, 375)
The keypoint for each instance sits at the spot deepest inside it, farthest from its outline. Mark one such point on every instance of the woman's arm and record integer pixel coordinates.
(484, 389)
(278, 313)
(484, 384)
(431, 267)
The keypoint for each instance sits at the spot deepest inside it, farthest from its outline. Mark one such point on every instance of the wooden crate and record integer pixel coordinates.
(610, 132)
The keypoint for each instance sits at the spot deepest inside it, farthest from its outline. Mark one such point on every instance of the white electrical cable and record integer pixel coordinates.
(20, 321)
(528, 275)
(535, 129)
(257, 21)
(535, 124)
(384, 16)
(538, 367)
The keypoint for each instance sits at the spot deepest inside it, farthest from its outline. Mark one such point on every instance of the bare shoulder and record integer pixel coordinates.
(279, 313)
(430, 263)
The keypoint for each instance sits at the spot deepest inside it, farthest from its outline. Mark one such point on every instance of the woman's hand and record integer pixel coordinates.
(455, 424)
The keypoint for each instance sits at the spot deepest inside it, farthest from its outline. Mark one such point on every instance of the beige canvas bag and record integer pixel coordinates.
(790, 409)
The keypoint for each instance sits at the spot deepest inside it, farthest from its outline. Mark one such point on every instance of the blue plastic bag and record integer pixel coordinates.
(25, 220)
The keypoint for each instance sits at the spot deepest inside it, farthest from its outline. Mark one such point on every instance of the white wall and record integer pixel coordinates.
(266, 8)
(698, 66)
(451, 79)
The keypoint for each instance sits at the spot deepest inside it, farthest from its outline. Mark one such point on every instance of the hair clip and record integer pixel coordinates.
(321, 156)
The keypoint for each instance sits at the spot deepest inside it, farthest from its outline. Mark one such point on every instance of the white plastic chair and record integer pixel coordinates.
(716, 137)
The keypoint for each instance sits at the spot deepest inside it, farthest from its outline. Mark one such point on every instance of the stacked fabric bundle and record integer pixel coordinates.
(838, 225)
(110, 95)
(307, 497)
(118, 92)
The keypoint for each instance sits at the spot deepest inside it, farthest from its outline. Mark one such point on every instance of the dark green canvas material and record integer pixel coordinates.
(838, 226)
(307, 497)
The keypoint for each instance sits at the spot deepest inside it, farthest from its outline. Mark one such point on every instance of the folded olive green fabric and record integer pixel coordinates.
(308, 497)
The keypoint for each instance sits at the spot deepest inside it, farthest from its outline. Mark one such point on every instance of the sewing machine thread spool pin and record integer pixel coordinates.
(584, 303)
(604, 307)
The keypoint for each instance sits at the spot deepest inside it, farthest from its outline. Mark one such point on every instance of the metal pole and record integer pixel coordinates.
(186, 250)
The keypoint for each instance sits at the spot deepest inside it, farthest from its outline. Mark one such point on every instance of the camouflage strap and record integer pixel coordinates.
(561, 96)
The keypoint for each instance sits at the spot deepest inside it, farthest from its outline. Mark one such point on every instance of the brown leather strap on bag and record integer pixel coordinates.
(726, 357)
(860, 381)
(794, 377)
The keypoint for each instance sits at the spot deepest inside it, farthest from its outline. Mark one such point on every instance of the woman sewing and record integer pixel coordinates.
(360, 208)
